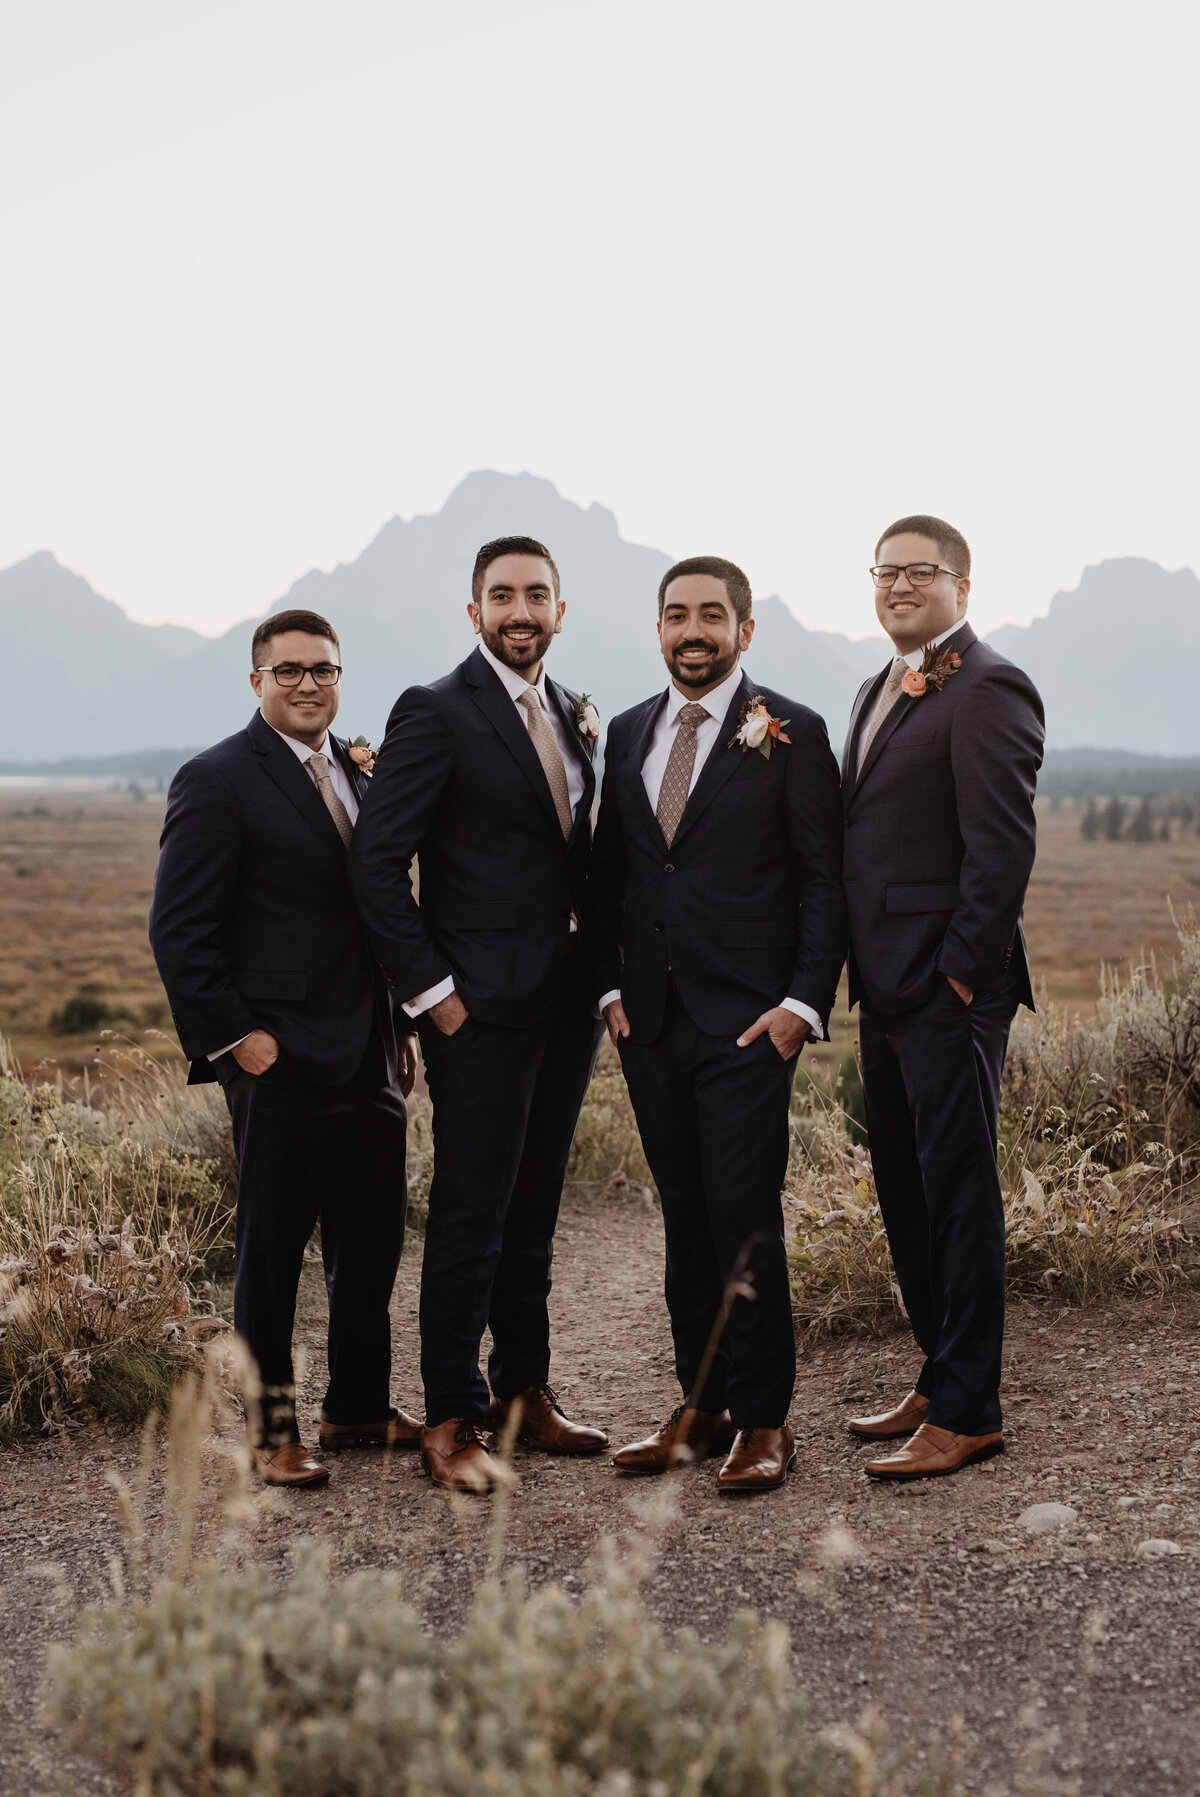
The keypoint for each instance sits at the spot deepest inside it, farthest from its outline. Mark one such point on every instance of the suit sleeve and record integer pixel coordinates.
(195, 888)
(996, 743)
(814, 801)
(411, 773)
(606, 881)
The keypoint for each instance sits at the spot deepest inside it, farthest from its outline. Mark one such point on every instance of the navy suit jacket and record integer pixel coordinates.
(940, 832)
(745, 908)
(458, 784)
(253, 923)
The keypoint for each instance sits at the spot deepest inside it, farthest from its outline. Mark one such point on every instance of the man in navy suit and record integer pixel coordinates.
(720, 935)
(939, 774)
(486, 776)
(275, 993)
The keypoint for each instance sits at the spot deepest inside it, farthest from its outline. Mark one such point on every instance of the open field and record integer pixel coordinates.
(76, 876)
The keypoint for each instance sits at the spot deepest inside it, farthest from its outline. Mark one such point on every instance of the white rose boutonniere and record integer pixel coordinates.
(757, 729)
(587, 719)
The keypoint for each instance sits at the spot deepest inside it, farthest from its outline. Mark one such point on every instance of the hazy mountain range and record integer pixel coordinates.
(1115, 659)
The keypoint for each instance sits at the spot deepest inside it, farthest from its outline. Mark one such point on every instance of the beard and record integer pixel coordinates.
(518, 656)
(711, 674)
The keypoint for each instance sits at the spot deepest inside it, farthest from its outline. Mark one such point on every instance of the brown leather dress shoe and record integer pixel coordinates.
(759, 1460)
(908, 1415)
(934, 1452)
(543, 1424)
(686, 1435)
(290, 1464)
(399, 1430)
(455, 1457)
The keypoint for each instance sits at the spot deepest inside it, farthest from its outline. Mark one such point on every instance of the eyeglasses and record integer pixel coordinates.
(919, 574)
(291, 673)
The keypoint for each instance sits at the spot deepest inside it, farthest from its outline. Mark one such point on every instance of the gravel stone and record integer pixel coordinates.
(1041, 1519)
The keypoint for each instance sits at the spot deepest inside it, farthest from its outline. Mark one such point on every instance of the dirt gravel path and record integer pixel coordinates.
(1048, 1663)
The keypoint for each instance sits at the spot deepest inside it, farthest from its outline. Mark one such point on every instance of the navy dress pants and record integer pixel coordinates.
(713, 1119)
(931, 1080)
(505, 1105)
(309, 1154)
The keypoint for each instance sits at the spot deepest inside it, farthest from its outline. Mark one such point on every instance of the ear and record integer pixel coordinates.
(961, 591)
(473, 614)
(560, 607)
(745, 632)
(256, 681)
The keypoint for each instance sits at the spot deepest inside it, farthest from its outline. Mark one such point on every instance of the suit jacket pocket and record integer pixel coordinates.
(484, 914)
(757, 932)
(921, 898)
(256, 982)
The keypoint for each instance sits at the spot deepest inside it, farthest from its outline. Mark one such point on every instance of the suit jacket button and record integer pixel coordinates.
(669, 868)
(658, 924)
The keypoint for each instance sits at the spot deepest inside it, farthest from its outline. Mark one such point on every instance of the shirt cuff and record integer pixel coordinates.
(808, 1014)
(218, 1052)
(609, 996)
(425, 1001)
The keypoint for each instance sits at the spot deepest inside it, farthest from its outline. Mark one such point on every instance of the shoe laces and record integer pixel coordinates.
(467, 1435)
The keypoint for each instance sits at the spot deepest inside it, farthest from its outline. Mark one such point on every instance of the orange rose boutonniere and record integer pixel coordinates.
(362, 755)
(933, 673)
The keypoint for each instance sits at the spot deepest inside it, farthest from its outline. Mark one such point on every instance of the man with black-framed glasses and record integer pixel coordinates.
(938, 779)
(275, 993)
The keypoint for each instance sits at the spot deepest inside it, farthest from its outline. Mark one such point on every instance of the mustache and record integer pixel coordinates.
(695, 643)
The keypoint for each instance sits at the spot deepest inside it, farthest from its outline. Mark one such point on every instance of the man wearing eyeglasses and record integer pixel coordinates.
(275, 993)
(939, 772)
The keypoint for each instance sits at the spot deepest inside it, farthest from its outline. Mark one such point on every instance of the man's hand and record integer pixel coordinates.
(408, 1063)
(788, 1032)
(449, 1013)
(966, 993)
(257, 1052)
(615, 1018)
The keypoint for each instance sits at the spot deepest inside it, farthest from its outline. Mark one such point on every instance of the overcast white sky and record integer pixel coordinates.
(759, 277)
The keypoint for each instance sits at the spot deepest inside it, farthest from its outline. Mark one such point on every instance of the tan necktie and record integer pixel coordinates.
(677, 781)
(541, 734)
(337, 811)
(884, 703)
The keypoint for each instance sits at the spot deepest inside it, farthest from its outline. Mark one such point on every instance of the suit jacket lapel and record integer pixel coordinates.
(863, 706)
(582, 748)
(639, 747)
(491, 698)
(722, 762)
(294, 781)
(358, 780)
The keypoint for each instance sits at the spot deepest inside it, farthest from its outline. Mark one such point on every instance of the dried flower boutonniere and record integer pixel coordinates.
(933, 672)
(757, 729)
(362, 755)
(587, 719)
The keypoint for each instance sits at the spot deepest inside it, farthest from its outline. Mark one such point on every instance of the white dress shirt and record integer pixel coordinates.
(342, 785)
(716, 703)
(516, 686)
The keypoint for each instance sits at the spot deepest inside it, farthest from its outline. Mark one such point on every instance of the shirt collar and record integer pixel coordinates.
(514, 684)
(915, 657)
(716, 703)
(303, 750)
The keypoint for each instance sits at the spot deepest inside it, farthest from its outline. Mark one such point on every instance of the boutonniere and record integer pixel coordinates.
(587, 719)
(362, 755)
(757, 729)
(933, 672)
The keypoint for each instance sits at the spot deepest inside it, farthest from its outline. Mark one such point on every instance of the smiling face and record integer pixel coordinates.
(518, 616)
(914, 616)
(700, 634)
(305, 711)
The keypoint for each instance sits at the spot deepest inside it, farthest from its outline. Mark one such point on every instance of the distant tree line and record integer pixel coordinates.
(1150, 820)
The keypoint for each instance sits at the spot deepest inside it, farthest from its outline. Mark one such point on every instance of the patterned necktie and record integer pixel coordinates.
(541, 734)
(337, 811)
(677, 781)
(884, 703)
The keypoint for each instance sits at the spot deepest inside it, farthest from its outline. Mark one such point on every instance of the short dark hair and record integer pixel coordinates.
(491, 552)
(736, 584)
(310, 622)
(952, 545)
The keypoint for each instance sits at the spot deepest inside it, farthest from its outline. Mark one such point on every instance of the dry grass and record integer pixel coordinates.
(207, 1675)
(102, 1233)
